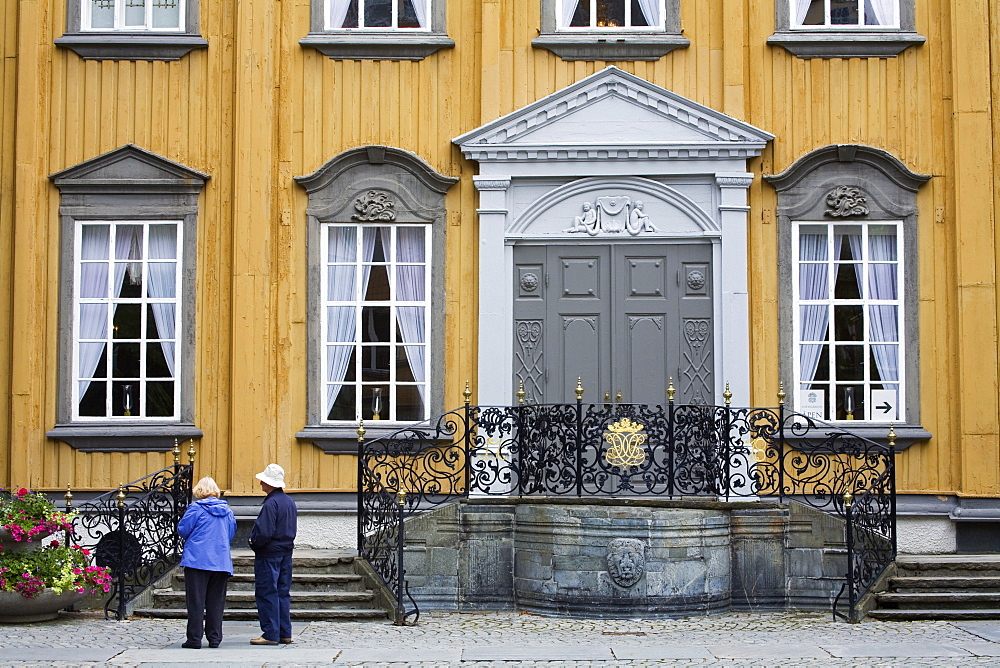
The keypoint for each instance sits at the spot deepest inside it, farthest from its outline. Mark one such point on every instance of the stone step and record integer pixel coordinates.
(303, 561)
(944, 583)
(948, 565)
(242, 614)
(941, 600)
(300, 582)
(913, 615)
(169, 598)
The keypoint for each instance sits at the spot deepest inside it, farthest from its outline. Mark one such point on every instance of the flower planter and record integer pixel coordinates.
(15, 609)
(8, 543)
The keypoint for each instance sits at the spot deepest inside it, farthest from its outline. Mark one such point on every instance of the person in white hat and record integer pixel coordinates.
(272, 539)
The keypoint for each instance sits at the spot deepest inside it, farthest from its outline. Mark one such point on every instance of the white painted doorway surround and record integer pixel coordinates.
(617, 138)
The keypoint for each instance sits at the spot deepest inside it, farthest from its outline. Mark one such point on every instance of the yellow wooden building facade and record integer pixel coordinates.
(254, 94)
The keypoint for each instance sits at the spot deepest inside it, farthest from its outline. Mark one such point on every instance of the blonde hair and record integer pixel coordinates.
(206, 487)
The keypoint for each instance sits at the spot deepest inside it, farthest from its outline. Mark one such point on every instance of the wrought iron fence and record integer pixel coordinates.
(133, 530)
(616, 449)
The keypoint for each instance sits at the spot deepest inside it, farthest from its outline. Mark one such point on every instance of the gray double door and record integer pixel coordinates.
(623, 317)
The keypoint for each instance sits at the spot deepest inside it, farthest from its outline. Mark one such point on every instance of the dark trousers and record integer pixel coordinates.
(272, 589)
(205, 592)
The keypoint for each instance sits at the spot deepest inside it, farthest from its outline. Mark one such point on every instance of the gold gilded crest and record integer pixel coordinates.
(625, 441)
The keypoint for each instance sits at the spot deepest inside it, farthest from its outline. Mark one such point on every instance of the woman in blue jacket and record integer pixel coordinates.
(207, 529)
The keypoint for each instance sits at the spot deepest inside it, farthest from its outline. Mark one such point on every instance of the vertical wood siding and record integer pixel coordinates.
(256, 109)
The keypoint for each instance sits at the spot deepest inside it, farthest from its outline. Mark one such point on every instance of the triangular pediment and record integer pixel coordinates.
(617, 111)
(129, 163)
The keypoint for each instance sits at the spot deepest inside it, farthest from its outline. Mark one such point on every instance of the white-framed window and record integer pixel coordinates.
(126, 319)
(133, 15)
(843, 14)
(375, 322)
(848, 283)
(378, 14)
(610, 14)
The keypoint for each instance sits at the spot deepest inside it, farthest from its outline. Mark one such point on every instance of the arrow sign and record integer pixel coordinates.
(884, 404)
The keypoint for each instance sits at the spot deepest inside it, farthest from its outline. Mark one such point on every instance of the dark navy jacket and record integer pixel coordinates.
(273, 534)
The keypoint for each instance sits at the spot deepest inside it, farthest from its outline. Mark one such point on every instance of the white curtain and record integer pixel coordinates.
(162, 284)
(410, 288)
(800, 8)
(342, 320)
(884, 11)
(336, 12)
(93, 283)
(813, 284)
(420, 9)
(651, 12)
(568, 9)
(883, 319)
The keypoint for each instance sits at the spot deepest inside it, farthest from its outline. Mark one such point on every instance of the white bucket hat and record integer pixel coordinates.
(272, 475)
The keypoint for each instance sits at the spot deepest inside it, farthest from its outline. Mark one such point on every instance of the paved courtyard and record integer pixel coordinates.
(498, 639)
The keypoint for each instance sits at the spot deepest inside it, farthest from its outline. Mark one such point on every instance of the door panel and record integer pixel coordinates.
(623, 317)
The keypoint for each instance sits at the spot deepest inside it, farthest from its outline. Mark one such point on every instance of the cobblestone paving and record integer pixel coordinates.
(759, 639)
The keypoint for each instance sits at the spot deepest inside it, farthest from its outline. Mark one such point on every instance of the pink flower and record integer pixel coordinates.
(21, 493)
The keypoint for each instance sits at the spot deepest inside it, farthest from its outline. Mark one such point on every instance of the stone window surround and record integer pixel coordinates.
(130, 45)
(331, 189)
(890, 188)
(170, 192)
(823, 42)
(611, 45)
(369, 44)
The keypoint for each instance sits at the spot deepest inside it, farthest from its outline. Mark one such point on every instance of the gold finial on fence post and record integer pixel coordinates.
(781, 394)
(727, 395)
(361, 431)
(520, 392)
(892, 437)
(400, 498)
(670, 389)
(177, 453)
(121, 495)
(191, 452)
(69, 498)
(848, 500)
(618, 397)
(579, 389)
(467, 394)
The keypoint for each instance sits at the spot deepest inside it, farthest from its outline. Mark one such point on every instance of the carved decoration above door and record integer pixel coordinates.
(612, 215)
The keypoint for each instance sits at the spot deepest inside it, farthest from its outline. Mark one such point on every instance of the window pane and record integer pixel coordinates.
(849, 324)
(92, 403)
(610, 13)
(94, 240)
(410, 283)
(814, 281)
(378, 13)
(163, 242)
(374, 363)
(350, 21)
(166, 14)
(340, 283)
(403, 372)
(93, 321)
(125, 399)
(94, 280)
(882, 243)
(128, 277)
(340, 359)
(410, 325)
(162, 280)
(102, 15)
(128, 242)
(375, 324)
(368, 403)
(92, 360)
(156, 361)
(846, 286)
(344, 408)
(407, 14)
(128, 321)
(850, 362)
(159, 399)
(850, 402)
(135, 13)
(409, 405)
(882, 281)
(885, 362)
(815, 15)
(125, 360)
(884, 323)
(340, 324)
(342, 244)
(581, 17)
(378, 284)
(884, 16)
(639, 19)
(844, 12)
(410, 244)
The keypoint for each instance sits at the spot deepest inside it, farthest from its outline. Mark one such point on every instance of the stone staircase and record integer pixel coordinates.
(950, 586)
(325, 586)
